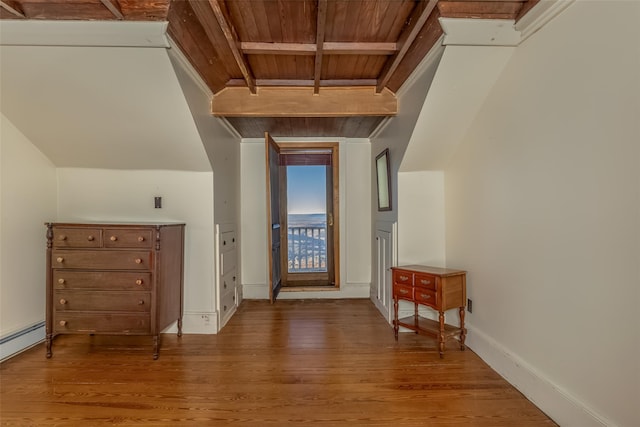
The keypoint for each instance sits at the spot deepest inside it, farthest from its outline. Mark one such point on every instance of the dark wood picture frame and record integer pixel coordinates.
(383, 175)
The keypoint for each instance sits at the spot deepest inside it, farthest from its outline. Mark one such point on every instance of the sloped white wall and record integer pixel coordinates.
(28, 194)
(543, 210)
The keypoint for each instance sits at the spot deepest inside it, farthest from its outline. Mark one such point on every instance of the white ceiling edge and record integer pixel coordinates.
(84, 33)
(540, 15)
(480, 32)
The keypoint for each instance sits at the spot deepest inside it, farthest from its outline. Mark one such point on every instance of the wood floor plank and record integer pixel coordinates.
(312, 362)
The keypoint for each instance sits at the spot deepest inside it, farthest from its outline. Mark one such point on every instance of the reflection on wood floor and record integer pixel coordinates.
(312, 362)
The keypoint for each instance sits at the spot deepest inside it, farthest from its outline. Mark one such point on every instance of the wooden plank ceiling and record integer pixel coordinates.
(292, 67)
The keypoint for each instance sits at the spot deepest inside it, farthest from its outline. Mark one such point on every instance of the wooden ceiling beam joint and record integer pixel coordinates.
(416, 22)
(114, 8)
(309, 49)
(320, 31)
(13, 7)
(232, 38)
(303, 83)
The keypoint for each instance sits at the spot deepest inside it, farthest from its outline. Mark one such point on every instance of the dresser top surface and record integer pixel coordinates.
(438, 271)
(113, 224)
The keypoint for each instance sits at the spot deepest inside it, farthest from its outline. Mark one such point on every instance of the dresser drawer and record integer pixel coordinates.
(125, 238)
(102, 301)
(106, 280)
(227, 302)
(402, 277)
(119, 323)
(102, 260)
(77, 237)
(229, 282)
(402, 291)
(425, 296)
(425, 281)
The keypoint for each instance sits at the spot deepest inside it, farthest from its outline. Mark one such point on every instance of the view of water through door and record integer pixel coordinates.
(306, 219)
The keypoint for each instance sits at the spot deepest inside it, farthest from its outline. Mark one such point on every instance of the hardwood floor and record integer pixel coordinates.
(313, 362)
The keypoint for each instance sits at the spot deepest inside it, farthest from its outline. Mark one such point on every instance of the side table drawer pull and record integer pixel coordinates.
(425, 282)
(425, 296)
(403, 291)
(404, 277)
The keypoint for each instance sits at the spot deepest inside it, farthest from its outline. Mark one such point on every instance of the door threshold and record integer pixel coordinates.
(308, 288)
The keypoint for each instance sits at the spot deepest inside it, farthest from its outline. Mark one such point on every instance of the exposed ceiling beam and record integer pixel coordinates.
(320, 29)
(416, 22)
(114, 8)
(303, 83)
(302, 102)
(232, 39)
(330, 48)
(13, 7)
(506, 9)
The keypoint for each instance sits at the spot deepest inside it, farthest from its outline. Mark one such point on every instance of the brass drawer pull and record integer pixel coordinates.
(425, 282)
(60, 259)
(403, 291)
(138, 261)
(425, 296)
(404, 278)
(140, 239)
(63, 301)
(139, 282)
(113, 238)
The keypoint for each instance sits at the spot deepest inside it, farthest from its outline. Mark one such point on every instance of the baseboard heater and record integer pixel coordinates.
(21, 340)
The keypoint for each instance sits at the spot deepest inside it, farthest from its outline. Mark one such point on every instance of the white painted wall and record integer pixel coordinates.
(27, 201)
(543, 210)
(355, 226)
(121, 195)
(421, 218)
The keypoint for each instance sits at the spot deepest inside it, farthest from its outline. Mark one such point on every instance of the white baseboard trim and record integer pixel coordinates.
(196, 323)
(557, 403)
(21, 340)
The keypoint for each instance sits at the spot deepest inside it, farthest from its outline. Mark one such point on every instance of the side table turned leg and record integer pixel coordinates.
(463, 331)
(395, 318)
(441, 334)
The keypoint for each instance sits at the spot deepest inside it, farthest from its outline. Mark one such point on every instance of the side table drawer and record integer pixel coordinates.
(426, 281)
(402, 291)
(117, 323)
(102, 301)
(402, 277)
(426, 296)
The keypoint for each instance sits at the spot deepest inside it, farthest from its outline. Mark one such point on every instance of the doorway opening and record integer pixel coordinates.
(303, 199)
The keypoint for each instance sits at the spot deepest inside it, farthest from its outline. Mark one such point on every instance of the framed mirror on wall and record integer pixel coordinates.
(383, 173)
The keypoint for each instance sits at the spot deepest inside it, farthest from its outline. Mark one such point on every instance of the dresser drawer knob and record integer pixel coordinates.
(59, 259)
(140, 239)
(225, 284)
(224, 243)
(234, 278)
(62, 322)
(113, 238)
(91, 238)
(63, 301)
(139, 282)
(61, 281)
(225, 308)
(141, 302)
(138, 261)
(425, 296)
(62, 237)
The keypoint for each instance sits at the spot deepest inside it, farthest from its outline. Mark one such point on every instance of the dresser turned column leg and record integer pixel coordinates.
(156, 345)
(441, 334)
(463, 330)
(180, 327)
(49, 339)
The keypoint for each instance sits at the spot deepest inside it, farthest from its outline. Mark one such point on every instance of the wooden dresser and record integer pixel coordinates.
(440, 289)
(114, 279)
